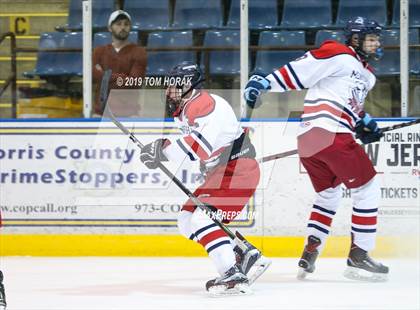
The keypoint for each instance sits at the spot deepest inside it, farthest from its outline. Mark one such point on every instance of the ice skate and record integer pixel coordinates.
(233, 282)
(309, 255)
(2, 294)
(363, 268)
(251, 258)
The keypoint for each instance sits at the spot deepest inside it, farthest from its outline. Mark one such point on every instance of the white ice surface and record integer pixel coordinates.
(178, 283)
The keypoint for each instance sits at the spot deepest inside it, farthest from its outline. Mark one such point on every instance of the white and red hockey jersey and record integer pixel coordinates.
(208, 124)
(337, 80)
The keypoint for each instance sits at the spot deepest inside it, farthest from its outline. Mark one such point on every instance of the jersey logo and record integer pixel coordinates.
(358, 92)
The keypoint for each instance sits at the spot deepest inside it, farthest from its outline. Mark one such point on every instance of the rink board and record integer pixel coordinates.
(78, 188)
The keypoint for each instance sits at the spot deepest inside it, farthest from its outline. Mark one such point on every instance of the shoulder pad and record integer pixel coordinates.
(200, 106)
(330, 49)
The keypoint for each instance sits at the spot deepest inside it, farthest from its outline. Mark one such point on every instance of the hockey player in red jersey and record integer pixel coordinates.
(338, 78)
(213, 136)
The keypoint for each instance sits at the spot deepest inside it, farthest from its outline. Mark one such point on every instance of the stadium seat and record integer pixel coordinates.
(104, 38)
(262, 14)
(267, 61)
(59, 63)
(282, 38)
(148, 14)
(392, 36)
(101, 9)
(414, 62)
(414, 13)
(222, 62)
(324, 35)
(390, 62)
(159, 63)
(388, 65)
(372, 9)
(306, 14)
(196, 14)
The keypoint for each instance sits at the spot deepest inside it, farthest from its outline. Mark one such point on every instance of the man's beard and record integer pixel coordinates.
(123, 35)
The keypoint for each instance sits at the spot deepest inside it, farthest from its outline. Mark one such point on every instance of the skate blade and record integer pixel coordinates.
(222, 291)
(301, 275)
(358, 274)
(260, 267)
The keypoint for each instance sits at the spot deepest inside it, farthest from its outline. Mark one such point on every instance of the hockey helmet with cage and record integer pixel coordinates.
(362, 27)
(182, 80)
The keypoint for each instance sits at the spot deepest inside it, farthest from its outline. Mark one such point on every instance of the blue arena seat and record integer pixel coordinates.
(413, 11)
(51, 63)
(414, 62)
(222, 62)
(372, 9)
(282, 38)
(159, 63)
(392, 36)
(104, 38)
(196, 14)
(101, 9)
(306, 14)
(267, 61)
(388, 65)
(262, 14)
(390, 62)
(148, 14)
(324, 35)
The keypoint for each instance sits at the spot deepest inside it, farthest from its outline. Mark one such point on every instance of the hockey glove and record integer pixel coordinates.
(152, 154)
(253, 88)
(367, 129)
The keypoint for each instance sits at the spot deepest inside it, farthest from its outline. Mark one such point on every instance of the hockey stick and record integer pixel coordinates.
(277, 156)
(237, 237)
(294, 152)
(402, 125)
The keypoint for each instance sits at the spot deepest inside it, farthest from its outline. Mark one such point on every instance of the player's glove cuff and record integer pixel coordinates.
(256, 84)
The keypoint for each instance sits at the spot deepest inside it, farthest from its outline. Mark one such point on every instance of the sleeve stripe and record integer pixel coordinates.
(197, 148)
(286, 78)
(295, 76)
(278, 81)
(191, 156)
(200, 136)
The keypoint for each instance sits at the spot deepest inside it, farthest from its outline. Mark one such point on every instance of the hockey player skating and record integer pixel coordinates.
(213, 136)
(338, 78)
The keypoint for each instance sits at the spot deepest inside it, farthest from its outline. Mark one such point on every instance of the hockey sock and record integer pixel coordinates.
(364, 216)
(199, 227)
(322, 214)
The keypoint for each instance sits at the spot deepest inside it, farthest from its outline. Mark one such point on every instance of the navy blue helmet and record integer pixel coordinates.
(181, 81)
(184, 72)
(362, 26)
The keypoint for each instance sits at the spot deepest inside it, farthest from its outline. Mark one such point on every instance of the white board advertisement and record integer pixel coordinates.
(72, 177)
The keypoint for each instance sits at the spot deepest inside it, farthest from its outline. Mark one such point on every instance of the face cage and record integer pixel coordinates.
(368, 56)
(173, 99)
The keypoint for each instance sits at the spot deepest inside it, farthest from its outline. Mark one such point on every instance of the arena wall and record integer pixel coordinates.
(77, 188)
